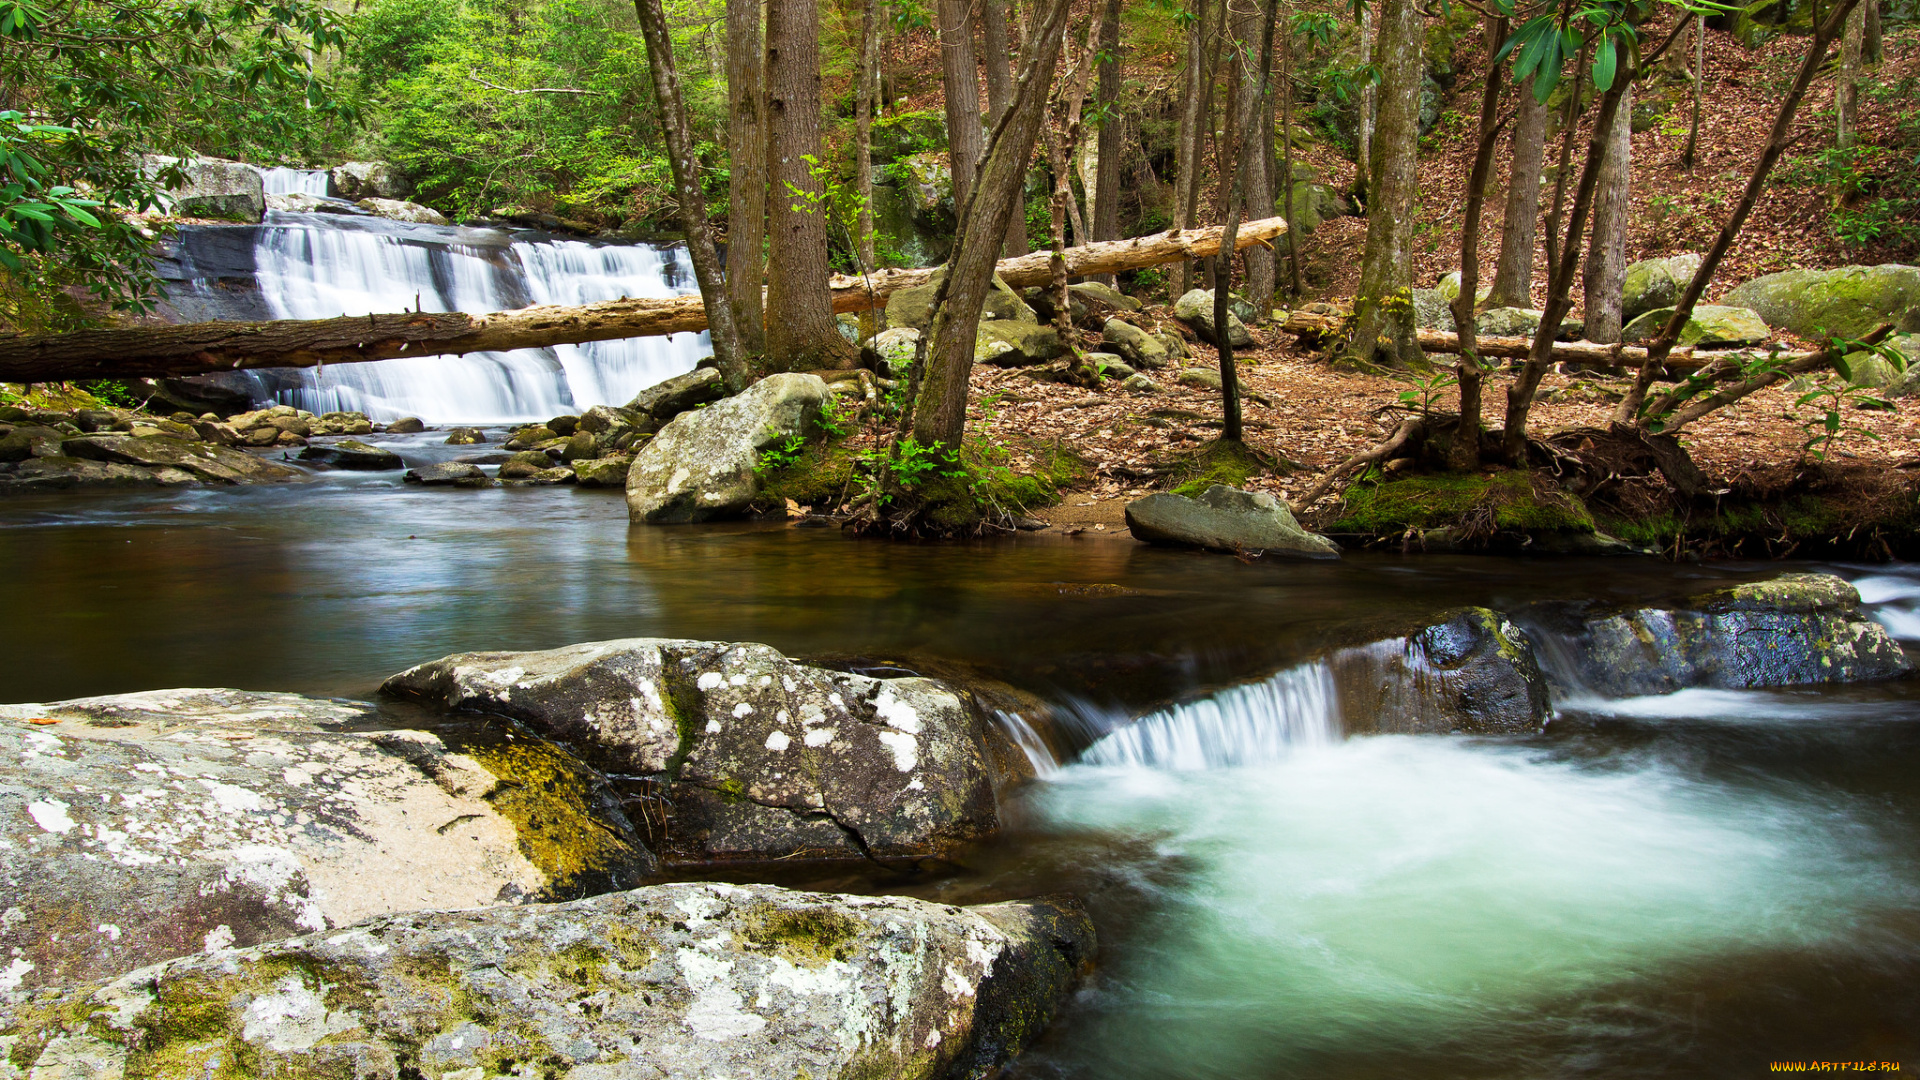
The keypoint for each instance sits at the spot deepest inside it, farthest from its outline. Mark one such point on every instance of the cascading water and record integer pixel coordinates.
(316, 266)
(284, 181)
(1255, 724)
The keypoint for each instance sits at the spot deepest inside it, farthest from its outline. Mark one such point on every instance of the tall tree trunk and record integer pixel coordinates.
(1569, 125)
(1234, 174)
(1187, 184)
(1513, 277)
(866, 102)
(1062, 140)
(1691, 154)
(1846, 90)
(998, 45)
(1383, 308)
(940, 407)
(1285, 46)
(1366, 107)
(747, 190)
(1256, 150)
(672, 112)
(1465, 452)
(801, 333)
(1873, 46)
(1108, 147)
(1606, 270)
(960, 77)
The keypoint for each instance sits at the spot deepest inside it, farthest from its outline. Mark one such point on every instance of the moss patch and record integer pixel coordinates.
(820, 478)
(808, 937)
(1478, 505)
(550, 799)
(1221, 462)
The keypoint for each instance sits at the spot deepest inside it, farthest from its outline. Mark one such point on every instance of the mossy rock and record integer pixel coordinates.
(1709, 325)
(1656, 283)
(1846, 302)
(1510, 501)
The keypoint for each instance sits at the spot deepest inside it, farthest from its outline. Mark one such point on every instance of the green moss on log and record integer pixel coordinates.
(1508, 501)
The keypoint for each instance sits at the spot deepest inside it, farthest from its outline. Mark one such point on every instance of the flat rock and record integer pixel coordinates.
(1225, 519)
(684, 980)
(669, 398)
(146, 826)
(352, 454)
(448, 474)
(761, 758)
(215, 464)
(701, 465)
(78, 474)
(402, 210)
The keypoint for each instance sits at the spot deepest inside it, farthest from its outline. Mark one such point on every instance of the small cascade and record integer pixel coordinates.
(1252, 724)
(283, 181)
(573, 272)
(1031, 743)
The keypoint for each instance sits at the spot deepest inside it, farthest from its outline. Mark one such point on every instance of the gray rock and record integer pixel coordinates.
(352, 454)
(524, 464)
(1099, 293)
(1175, 345)
(1430, 311)
(1016, 344)
(1507, 322)
(214, 188)
(914, 307)
(408, 425)
(448, 474)
(531, 436)
(1200, 378)
(1110, 366)
(684, 980)
(1471, 671)
(402, 210)
(1907, 383)
(299, 202)
(849, 327)
(669, 398)
(604, 418)
(701, 464)
(146, 826)
(1196, 310)
(606, 472)
(214, 464)
(1139, 384)
(355, 180)
(580, 446)
(761, 758)
(461, 436)
(1225, 519)
(1134, 345)
(1848, 301)
(31, 440)
(894, 347)
(564, 426)
(1449, 288)
(43, 474)
(1796, 630)
(1656, 283)
(1710, 324)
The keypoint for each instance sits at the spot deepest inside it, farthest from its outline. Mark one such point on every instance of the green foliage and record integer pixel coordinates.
(113, 392)
(1424, 388)
(1473, 503)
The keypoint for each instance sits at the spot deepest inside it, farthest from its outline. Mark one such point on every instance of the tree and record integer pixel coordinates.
(1513, 275)
(960, 79)
(801, 333)
(1383, 307)
(994, 39)
(747, 174)
(1235, 165)
(1106, 187)
(1256, 147)
(866, 103)
(939, 416)
(1692, 149)
(1846, 89)
(1062, 138)
(1465, 452)
(1189, 138)
(1605, 275)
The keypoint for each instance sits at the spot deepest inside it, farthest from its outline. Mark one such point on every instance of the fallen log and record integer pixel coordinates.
(204, 348)
(1310, 325)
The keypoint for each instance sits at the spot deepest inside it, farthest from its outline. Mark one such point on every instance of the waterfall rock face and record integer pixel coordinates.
(700, 466)
(1471, 671)
(672, 980)
(759, 757)
(1796, 630)
(141, 827)
(1225, 519)
(355, 180)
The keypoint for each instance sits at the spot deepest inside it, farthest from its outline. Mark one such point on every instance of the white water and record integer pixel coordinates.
(1255, 724)
(283, 181)
(316, 266)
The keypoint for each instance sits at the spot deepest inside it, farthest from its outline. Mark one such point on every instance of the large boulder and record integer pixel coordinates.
(1796, 630)
(402, 210)
(700, 466)
(213, 188)
(1134, 345)
(1471, 671)
(760, 758)
(1656, 283)
(1225, 519)
(1845, 302)
(1709, 325)
(1196, 310)
(352, 454)
(59, 473)
(210, 463)
(145, 826)
(1314, 202)
(892, 351)
(356, 180)
(1430, 310)
(1015, 344)
(669, 398)
(914, 307)
(684, 980)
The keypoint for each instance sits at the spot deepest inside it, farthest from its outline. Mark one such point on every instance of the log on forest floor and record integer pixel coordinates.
(204, 348)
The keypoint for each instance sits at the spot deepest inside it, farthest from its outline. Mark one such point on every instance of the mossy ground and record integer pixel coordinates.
(1828, 511)
(1476, 504)
(1221, 462)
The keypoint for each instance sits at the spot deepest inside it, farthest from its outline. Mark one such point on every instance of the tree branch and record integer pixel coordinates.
(471, 77)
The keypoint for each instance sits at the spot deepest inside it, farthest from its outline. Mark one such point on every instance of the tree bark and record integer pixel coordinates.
(1286, 162)
(1234, 172)
(1606, 269)
(1109, 144)
(1383, 307)
(960, 78)
(747, 165)
(1569, 126)
(672, 112)
(1874, 46)
(1691, 153)
(1846, 90)
(940, 408)
(866, 101)
(998, 44)
(1256, 151)
(1187, 190)
(801, 334)
(1464, 454)
(209, 347)
(1062, 140)
(1513, 276)
(1363, 123)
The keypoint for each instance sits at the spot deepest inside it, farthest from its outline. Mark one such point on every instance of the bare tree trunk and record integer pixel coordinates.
(1285, 47)
(747, 166)
(1846, 90)
(1368, 102)
(1465, 452)
(1513, 277)
(1691, 154)
(672, 112)
(960, 76)
(1000, 56)
(1569, 126)
(1192, 96)
(801, 333)
(1234, 172)
(1606, 270)
(1256, 150)
(866, 100)
(1383, 307)
(1106, 183)
(1062, 139)
(1874, 47)
(940, 408)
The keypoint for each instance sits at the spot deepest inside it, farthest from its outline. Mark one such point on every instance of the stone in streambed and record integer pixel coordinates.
(696, 979)
(1471, 671)
(215, 464)
(406, 425)
(448, 474)
(701, 465)
(524, 464)
(464, 436)
(146, 826)
(352, 454)
(1225, 519)
(605, 472)
(77, 474)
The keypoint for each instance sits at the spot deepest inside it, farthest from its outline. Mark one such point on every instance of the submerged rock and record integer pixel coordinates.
(1471, 671)
(406, 425)
(1225, 519)
(701, 465)
(685, 980)
(759, 757)
(140, 827)
(205, 461)
(60, 473)
(448, 474)
(352, 454)
(1796, 630)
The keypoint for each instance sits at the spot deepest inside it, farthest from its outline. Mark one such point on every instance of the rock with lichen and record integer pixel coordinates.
(704, 464)
(758, 757)
(1469, 671)
(697, 979)
(146, 826)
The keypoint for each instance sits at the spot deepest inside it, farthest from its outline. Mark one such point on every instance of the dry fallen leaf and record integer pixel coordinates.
(43, 720)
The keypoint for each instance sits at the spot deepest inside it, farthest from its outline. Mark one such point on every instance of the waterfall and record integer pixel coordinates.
(316, 266)
(282, 181)
(1253, 724)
